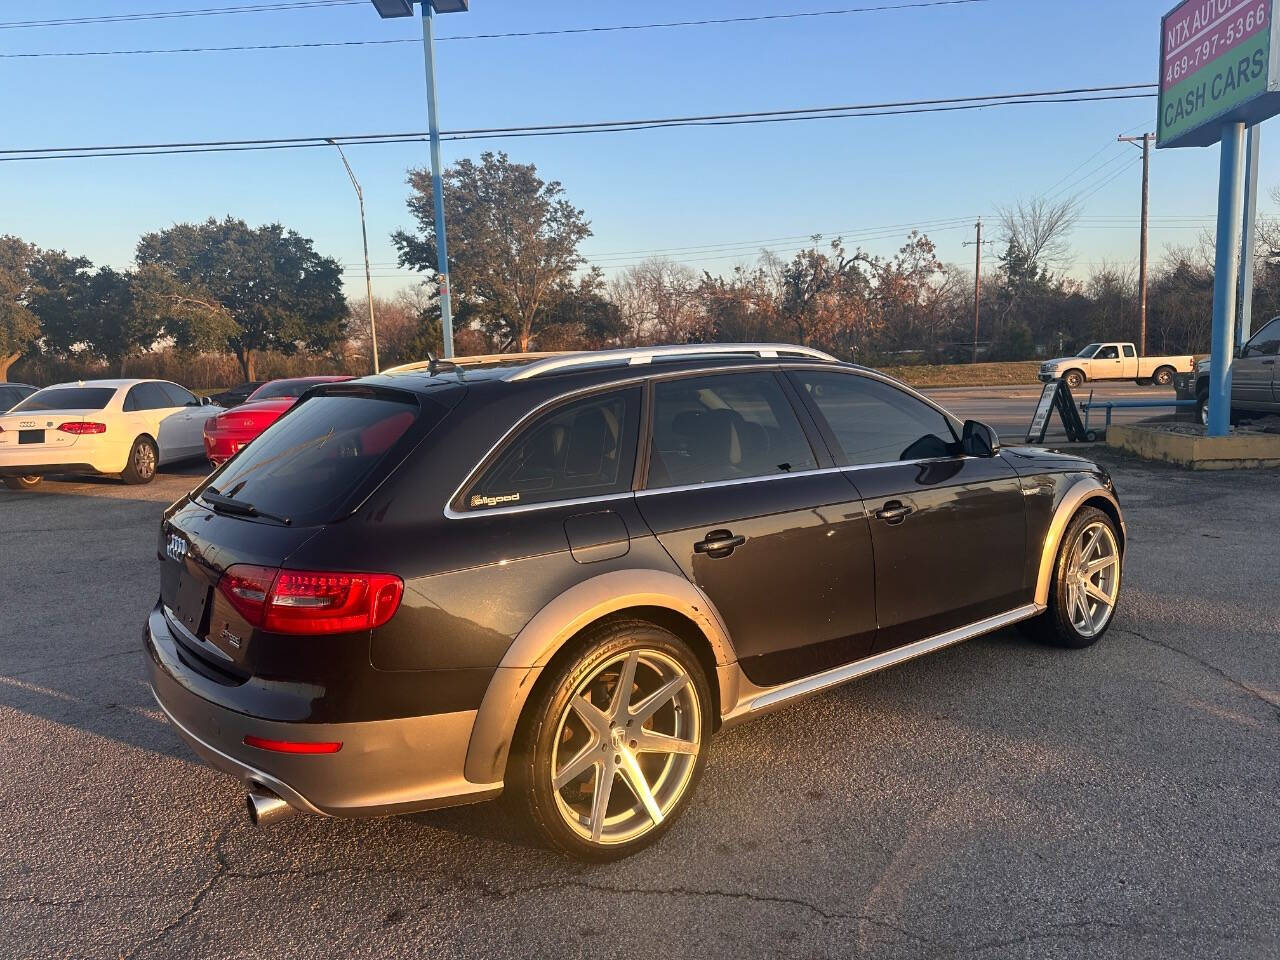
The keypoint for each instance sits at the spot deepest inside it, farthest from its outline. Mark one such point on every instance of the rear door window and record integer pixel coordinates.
(147, 396)
(584, 448)
(67, 398)
(724, 427)
(875, 422)
(307, 464)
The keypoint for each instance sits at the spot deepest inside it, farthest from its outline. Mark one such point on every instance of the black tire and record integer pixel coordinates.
(1058, 624)
(1074, 379)
(1163, 377)
(22, 483)
(546, 725)
(1143, 381)
(143, 458)
(1202, 410)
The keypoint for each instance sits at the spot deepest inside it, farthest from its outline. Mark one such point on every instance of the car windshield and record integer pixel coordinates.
(307, 463)
(283, 388)
(1089, 351)
(67, 398)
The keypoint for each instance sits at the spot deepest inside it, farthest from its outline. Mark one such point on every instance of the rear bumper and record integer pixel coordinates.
(384, 766)
(46, 469)
(85, 455)
(221, 447)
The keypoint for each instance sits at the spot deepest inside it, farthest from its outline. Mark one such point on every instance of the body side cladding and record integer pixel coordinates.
(559, 622)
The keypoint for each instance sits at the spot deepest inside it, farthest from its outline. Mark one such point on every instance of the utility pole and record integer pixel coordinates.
(1146, 139)
(977, 283)
(368, 276)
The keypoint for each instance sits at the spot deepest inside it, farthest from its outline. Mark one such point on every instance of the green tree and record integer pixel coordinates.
(19, 326)
(513, 243)
(253, 289)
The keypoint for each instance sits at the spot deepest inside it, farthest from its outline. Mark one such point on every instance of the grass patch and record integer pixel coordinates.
(967, 374)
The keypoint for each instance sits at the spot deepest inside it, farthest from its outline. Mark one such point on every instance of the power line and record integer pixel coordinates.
(178, 14)
(1092, 94)
(305, 4)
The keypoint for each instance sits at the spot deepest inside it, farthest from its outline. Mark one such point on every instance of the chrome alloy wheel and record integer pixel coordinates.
(636, 718)
(1093, 579)
(144, 460)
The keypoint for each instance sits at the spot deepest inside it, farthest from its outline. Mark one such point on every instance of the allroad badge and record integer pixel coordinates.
(176, 548)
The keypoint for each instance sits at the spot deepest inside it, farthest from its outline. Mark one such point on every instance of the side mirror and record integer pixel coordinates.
(979, 440)
(206, 401)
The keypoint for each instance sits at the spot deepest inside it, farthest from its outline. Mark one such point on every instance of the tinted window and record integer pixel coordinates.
(1128, 351)
(147, 396)
(586, 448)
(283, 388)
(1108, 353)
(306, 464)
(178, 396)
(728, 427)
(67, 398)
(9, 396)
(875, 422)
(1266, 342)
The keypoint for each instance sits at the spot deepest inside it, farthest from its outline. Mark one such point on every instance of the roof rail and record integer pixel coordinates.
(640, 356)
(472, 360)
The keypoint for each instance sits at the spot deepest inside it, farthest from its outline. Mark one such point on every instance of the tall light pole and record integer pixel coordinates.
(368, 277)
(404, 8)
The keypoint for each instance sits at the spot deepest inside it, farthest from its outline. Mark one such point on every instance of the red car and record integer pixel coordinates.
(227, 433)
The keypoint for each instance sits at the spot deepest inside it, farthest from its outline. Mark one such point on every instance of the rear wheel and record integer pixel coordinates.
(22, 483)
(611, 747)
(1085, 585)
(143, 458)
(1164, 376)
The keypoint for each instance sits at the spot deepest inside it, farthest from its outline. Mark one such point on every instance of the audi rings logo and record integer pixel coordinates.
(176, 548)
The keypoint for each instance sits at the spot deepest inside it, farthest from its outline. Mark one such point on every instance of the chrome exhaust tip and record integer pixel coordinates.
(265, 808)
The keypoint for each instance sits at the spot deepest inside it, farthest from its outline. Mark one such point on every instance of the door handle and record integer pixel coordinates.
(895, 511)
(719, 543)
(1268, 363)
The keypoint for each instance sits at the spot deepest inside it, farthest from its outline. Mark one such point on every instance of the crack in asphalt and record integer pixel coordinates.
(1262, 695)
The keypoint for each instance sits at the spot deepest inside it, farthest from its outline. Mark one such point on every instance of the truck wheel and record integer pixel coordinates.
(22, 483)
(1164, 376)
(1074, 379)
(1202, 410)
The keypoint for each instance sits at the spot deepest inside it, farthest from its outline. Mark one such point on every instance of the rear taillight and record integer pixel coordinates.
(81, 427)
(311, 602)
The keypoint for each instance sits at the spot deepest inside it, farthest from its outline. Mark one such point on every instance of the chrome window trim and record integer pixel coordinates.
(652, 375)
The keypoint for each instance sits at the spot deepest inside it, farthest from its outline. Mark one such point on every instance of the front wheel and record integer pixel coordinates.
(141, 467)
(1074, 379)
(22, 483)
(611, 747)
(1085, 585)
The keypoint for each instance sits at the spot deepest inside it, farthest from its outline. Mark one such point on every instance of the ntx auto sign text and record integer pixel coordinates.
(1215, 66)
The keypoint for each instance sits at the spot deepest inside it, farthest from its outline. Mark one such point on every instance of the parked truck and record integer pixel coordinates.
(1115, 361)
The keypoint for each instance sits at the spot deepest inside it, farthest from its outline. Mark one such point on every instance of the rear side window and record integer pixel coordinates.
(147, 396)
(1128, 351)
(725, 427)
(308, 463)
(585, 448)
(178, 396)
(67, 398)
(875, 422)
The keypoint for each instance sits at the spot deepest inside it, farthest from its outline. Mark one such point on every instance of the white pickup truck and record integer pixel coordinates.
(1115, 361)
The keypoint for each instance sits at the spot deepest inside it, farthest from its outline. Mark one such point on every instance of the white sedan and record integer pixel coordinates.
(120, 427)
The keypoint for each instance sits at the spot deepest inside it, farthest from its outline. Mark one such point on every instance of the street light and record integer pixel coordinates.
(404, 8)
(364, 235)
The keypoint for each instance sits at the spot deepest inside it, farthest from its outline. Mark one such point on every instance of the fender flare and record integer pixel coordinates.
(1077, 495)
(558, 622)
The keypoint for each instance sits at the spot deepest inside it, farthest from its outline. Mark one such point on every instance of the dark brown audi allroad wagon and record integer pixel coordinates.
(558, 575)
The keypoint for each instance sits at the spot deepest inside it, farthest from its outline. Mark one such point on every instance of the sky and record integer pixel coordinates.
(709, 196)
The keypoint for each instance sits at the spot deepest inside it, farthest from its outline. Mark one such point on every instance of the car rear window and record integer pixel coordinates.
(67, 398)
(283, 388)
(309, 462)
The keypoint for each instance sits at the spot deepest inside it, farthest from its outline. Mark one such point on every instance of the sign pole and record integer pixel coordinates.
(1243, 327)
(437, 182)
(1226, 277)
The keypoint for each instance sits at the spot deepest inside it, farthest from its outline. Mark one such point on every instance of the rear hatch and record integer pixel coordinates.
(311, 468)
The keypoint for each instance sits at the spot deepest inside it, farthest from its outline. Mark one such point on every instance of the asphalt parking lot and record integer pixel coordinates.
(998, 799)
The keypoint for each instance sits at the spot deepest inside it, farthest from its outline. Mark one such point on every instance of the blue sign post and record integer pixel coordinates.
(1220, 74)
(404, 8)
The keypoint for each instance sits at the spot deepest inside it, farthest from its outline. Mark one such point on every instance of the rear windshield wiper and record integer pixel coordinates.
(224, 504)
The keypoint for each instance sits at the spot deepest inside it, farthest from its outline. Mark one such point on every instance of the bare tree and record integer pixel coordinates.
(660, 302)
(1039, 228)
